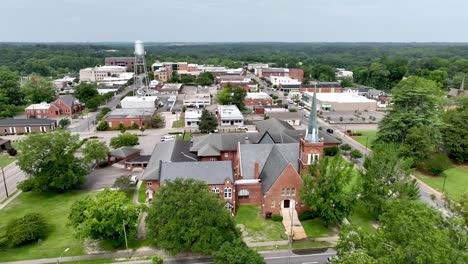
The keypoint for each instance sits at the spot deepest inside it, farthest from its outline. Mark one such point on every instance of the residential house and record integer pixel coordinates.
(10, 126)
(68, 105)
(192, 117)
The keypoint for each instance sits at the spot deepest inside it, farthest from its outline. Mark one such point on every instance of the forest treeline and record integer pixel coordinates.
(380, 65)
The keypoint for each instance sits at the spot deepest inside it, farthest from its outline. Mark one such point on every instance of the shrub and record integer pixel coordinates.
(12, 152)
(331, 151)
(293, 110)
(157, 260)
(345, 147)
(25, 229)
(134, 126)
(341, 119)
(277, 218)
(123, 183)
(308, 215)
(437, 163)
(27, 185)
(355, 154)
(102, 126)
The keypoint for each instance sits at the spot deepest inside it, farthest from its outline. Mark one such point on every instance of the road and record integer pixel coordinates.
(13, 175)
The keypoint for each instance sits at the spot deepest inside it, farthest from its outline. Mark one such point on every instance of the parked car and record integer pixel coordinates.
(306, 115)
(134, 179)
(329, 130)
(243, 128)
(168, 138)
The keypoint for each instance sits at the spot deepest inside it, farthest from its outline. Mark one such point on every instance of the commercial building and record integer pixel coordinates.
(97, 74)
(171, 88)
(135, 102)
(192, 117)
(126, 62)
(42, 110)
(229, 115)
(10, 126)
(130, 117)
(318, 87)
(256, 66)
(281, 72)
(197, 100)
(278, 80)
(261, 98)
(343, 74)
(348, 101)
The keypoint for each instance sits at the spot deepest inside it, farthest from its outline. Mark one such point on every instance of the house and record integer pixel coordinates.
(5, 145)
(192, 117)
(128, 117)
(139, 102)
(229, 115)
(261, 98)
(10, 126)
(122, 155)
(68, 105)
(42, 110)
(292, 118)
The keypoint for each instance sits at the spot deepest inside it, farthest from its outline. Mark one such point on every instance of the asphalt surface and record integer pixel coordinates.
(13, 175)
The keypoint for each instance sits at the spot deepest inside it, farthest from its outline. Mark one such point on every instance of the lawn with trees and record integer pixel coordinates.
(366, 138)
(258, 228)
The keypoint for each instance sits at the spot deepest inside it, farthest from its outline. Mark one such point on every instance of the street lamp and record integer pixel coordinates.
(58, 260)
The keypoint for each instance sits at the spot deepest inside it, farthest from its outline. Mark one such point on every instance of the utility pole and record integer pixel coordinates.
(126, 242)
(4, 182)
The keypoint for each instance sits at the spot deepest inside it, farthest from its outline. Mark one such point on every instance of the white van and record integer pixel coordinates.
(168, 138)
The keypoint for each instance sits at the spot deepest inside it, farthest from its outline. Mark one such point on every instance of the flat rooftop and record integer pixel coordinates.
(229, 112)
(130, 113)
(193, 114)
(257, 96)
(139, 98)
(341, 97)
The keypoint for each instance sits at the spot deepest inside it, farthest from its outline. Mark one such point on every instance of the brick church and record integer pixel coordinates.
(261, 168)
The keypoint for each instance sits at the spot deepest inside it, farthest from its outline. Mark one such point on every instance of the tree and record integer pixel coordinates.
(409, 232)
(455, 130)
(238, 97)
(355, 154)
(439, 76)
(105, 217)
(157, 121)
(64, 122)
(415, 102)
(323, 72)
(208, 123)
(345, 147)
(39, 89)
(325, 189)
(102, 126)
(237, 252)
(205, 78)
(348, 82)
(420, 142)
(123, 183)
(49, 161)
(85, 91)
(27, 228)
(142, 129)
(436, 163)
(224, 96)
(387, 176)
(95, 151)
(185, 215)
(124, 140)
(10, 94)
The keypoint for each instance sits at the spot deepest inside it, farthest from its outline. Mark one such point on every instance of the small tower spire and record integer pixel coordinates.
(462, 85)
(312, 131)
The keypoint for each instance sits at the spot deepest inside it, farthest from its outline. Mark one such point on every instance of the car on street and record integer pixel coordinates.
(134, 179)
(168, 138)
(329, 130)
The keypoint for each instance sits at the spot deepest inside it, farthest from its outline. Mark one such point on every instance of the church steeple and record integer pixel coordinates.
(312, 130)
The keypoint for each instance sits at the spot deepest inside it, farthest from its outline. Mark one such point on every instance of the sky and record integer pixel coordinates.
(234, 20)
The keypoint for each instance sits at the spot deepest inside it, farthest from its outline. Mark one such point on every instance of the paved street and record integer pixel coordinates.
(13, 175)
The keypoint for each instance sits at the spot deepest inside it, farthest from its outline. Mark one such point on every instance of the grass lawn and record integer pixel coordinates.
(187, 136)
(6, 159)
(315, 228)
(55, 208)
(362, 218)
(142, 193)
(367, 135)
(258, 228)
(179, 123)
(297, 245)
(456, 182)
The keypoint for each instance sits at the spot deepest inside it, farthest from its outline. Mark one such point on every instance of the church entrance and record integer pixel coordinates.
(286, 203)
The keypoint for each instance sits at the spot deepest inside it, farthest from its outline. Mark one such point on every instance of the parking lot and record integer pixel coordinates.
(352, 117)
(103, 177)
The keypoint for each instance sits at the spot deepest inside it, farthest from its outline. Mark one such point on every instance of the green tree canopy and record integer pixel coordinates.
(95, 151)
(208, 122)
(124, 140)
(49, 162)
(85, 91)
(324, 189)
(105, 217)
(455, 130)
(185, 215)
(39, 89)
(237, 252)
(205, 78)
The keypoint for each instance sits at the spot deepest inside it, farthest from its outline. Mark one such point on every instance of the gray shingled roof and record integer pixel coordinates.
(249, 153)
(123, 152)
(173, 150)
(29, 121)
(280, 156)
(285, 115)
(211, 172)
(68, 99)
(273, 125)
(213, 144)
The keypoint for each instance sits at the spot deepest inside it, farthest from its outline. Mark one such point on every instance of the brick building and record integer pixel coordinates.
(65, 105)
(127, 62)
(318, 87)
(10, 126)
(68, 105)
(261, 98)
(129, 117)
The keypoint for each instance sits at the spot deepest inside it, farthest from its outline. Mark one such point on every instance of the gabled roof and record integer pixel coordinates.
(26, 122)
(123, 152)
(285, 115)
(280, 156)
(211, 172)
(213, 144)
(173, 150)
(273, 124)
(68, 99)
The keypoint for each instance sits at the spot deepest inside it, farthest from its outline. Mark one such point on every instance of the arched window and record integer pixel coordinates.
(227, 193)
(215, 190)
(288, 191)
(283, 191)
(293, 191)
(243, 194)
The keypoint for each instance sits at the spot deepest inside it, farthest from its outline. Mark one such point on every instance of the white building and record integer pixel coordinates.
(63, 82)
(192, 117)
(256, 66)
(277, 80)
(229, 115)
(347, 101)
(133, 102)
(343, 74)
(171, 88)
(197, 100)
(97, 74)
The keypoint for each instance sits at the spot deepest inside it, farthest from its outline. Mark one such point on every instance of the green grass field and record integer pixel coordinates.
(179, 123)
(456, 182)
(315, 228)
(142, 193)
(258, 228)
(362, 218)
(367, 135)
(55, 208)
(5, 160)
(187, 136)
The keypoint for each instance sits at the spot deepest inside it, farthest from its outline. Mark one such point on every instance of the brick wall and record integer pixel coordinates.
(114, 122)
(296, 74)
(255, 194)
(5, 130)
(258, 101)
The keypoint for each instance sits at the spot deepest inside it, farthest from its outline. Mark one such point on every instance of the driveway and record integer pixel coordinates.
(103, 177)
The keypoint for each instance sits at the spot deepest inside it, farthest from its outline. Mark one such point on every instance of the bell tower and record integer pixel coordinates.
(311, 146)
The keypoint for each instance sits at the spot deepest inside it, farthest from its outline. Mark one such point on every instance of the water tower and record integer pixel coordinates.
(140, 78)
